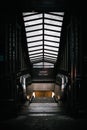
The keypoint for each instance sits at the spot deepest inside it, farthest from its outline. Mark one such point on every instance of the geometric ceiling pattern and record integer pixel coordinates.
(43, 33)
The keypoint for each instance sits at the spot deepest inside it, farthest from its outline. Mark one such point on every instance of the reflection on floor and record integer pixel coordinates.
(43, 114)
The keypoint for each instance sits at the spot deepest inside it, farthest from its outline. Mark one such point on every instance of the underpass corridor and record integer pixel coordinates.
(43, 113)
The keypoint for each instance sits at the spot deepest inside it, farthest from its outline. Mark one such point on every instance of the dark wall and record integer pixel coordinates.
(73, 58)
(43, 75)
(14, 60)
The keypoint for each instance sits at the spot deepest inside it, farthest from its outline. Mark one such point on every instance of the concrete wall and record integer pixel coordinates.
(41, 87)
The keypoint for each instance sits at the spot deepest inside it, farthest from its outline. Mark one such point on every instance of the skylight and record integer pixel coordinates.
(43, 33)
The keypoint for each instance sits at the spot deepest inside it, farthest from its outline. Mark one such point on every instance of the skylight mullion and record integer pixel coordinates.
(58, 13)
(37, 32)
(49, 35)
(34, 36)
(31, 51)
(46, 54)
(53, 22)
(32, 39)
(31, 31)
(34, 22)
(53, 33)
(51, 48)
(43, 31)
(52, 16)
(50, 57)
(33, 25)
(32, 44)
(32, 17)
(35, 48)
(43, 36)
(50, 29)
(52, 44)
(46, 26)
(34, 52)
(52, 52)
(32, 28)
(36, 60)
(29, 13)
(53, 39)
(49, 60)
(31, 56)
(36, 57)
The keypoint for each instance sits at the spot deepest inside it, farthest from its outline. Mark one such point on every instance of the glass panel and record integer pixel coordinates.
(33, 22)
(34, 44)
(58, 13)
(46, 56)
(52, 33)
(34, 34)
(40, 63)
(38, 32)
(52, 38)
(53, 22)
(43, 63)
(36, 66)
(53, 17)
(52, 52)
(51, 48)
(33, 28)
(55, 56)
(28, 13)
(34, 38)
(51, 66)
(48, 64)
(35, 55)
(49, 58)
(34, 58)
(51, 43)
(32, 17)
(37, 51)
(35, 48)
(52, 28)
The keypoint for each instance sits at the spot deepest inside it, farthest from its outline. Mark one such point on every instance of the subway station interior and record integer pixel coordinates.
(43, 65)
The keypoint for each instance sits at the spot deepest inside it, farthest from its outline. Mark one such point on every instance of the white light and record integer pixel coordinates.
(33, 94)
(32, 28)
(32, 17)
(33, 22)
(34, 38)
(55, 39)
(52, 27)
(57, 23)
(53, 33)
(51, 16)
(53, 94)
(34, 44)
(29, 34)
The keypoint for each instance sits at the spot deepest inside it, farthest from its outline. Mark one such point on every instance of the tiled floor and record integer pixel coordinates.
(43, 114)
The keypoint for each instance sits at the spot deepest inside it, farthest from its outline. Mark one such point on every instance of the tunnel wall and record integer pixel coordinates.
(13, 59)
(72, 60)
